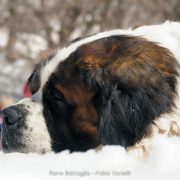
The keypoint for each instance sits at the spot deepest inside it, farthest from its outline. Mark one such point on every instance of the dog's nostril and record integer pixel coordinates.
(5, 119)
(8, 121)
(11, 115)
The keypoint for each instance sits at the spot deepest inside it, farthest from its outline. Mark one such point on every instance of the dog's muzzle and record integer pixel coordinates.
(24, 128)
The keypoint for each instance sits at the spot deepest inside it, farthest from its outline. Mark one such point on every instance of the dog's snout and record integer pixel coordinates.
(11, 115)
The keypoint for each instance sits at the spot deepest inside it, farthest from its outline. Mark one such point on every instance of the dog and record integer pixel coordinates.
(118, 87)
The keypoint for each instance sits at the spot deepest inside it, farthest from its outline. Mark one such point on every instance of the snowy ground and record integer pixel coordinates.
(111, 162)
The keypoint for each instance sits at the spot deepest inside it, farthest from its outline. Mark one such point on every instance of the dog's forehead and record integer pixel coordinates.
(61, 55)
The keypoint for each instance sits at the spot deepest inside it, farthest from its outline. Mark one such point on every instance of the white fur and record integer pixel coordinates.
(167, 34)
(38, 140)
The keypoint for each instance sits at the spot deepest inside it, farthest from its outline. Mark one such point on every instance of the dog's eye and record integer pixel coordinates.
(57, 96)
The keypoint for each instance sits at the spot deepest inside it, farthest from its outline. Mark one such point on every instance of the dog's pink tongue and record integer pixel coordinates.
(26, 90)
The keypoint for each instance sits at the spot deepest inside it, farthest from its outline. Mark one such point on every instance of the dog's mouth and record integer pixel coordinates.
(3, 142)
(8, 144)
(23, 128)
(12, 139)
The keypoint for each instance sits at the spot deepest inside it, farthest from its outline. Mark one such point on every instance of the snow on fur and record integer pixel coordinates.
(111, 162)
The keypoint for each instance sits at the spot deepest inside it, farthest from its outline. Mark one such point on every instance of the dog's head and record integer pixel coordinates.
(97, 90)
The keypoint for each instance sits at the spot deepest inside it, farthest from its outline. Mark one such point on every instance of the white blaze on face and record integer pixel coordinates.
(36, 136)
(155, 33)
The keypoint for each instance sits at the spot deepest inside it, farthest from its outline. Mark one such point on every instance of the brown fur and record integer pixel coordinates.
(85, 116)
(131, 64)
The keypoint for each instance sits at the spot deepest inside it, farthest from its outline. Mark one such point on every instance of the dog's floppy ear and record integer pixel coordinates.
(32, 85)
(124, 116)
(124, 113)
(127, 108)
(134, 81)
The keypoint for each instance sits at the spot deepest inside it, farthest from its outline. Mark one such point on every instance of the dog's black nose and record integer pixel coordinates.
(11, 115)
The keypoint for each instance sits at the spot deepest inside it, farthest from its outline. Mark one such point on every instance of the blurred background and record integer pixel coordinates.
(28, 27)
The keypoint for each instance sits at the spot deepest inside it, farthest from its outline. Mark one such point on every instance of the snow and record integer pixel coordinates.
(55, 24)
(12, 83)
(75, 34)
(4, 37)
(30, 44)
(94, 29)
(110, 162)
(88, 18)
(55, 37)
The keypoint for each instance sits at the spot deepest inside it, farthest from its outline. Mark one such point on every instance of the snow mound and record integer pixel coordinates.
(110, 162)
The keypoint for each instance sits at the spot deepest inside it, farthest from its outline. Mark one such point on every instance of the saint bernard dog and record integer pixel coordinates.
(118, 87)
